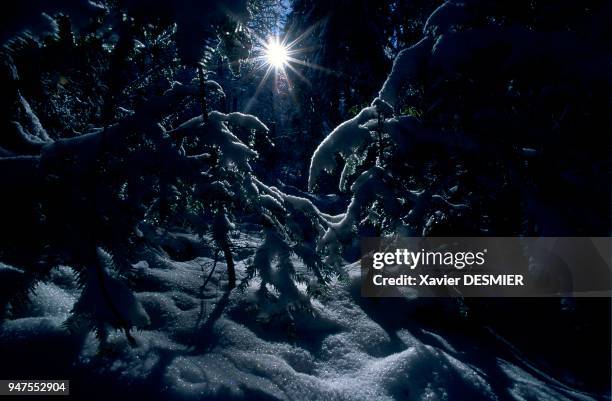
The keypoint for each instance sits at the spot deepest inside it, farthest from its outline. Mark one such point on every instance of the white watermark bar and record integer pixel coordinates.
(486, 267)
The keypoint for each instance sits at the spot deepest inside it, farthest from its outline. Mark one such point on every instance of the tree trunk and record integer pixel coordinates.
(224, 243)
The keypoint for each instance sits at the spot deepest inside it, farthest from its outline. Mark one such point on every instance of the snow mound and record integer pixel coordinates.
(206, 344)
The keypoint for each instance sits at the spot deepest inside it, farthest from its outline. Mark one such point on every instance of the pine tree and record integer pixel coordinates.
(155, 157)
(473, 125)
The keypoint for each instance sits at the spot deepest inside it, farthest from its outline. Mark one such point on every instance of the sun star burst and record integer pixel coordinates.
(276, 54)
(279, 57)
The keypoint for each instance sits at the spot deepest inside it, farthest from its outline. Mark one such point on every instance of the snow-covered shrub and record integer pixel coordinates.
(106, 302)
(143, 168)
(475, 129)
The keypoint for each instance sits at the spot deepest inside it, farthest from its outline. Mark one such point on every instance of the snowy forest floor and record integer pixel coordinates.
(214, 345)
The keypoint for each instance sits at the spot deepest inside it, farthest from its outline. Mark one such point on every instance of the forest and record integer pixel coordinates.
(185, 185)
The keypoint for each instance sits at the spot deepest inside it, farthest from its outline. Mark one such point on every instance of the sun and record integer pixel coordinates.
(278, 57)
(277, 54)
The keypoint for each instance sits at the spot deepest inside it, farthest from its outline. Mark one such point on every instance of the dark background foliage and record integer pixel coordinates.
(93, 153)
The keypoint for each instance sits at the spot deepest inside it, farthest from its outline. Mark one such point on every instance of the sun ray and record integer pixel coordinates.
(299, 74)
(261, 84)
(279, 56)
(309, 65)
(302, 36)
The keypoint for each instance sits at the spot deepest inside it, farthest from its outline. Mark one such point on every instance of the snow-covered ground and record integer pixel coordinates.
(207, 345)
